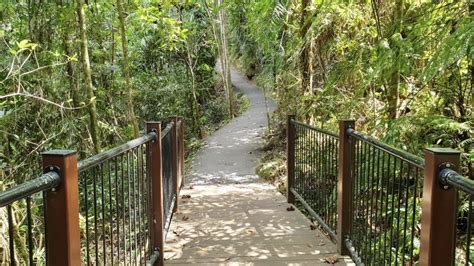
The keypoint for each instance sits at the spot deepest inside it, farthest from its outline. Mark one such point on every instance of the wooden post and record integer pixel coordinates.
(181, 151)
(156, 201)
(344, 185)
(438, 216)
(174, 156)
(290, 151)
(63, 243)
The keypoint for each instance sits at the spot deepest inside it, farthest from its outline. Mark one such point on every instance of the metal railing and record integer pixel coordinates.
(26, 198)
(114, 189)
(315, 173)
(169, 198)
(387, 187)
(393, 208)
(114, 207)
(464, 189)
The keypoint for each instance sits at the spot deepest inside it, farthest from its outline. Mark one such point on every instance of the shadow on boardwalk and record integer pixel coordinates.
(234, 218)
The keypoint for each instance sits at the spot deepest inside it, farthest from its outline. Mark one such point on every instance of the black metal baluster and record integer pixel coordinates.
(96, 241)
(360, 199)
(86, 205)
(386, 211)
(134, 207)
(322, 177)
(355, 197)
(11, 232)
(363, 210)
(399, 199)
(307, 178)
(365, 181)
(469, 226)
(303, 164)
(415, 186)
(369, 202)
(102, 196)
(378, 199)
(145, 202)
(135, 199)
(314, 169)
(393, 177)
(405, 218)
(117, 206)
(111, 207)
(140, 213)
(124, 209)
(29, 228)
(130, 246)
(335, 167)
(299, 161)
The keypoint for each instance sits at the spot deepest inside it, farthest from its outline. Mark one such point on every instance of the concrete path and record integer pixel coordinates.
(234, 218)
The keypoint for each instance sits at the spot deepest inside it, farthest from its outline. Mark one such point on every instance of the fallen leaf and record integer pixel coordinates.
(191, 187)
(227, 259)
(185, 218)
(290, 208)
(331, 259)
(186, 196)
(250, 231)
(312, 227)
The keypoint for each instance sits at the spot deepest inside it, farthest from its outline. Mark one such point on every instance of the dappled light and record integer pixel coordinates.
(229, 216)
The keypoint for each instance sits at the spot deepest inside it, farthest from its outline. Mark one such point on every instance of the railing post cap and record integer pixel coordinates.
(444, 151)
(59, 152)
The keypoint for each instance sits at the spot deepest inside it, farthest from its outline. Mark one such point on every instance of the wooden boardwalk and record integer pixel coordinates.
(246, 224)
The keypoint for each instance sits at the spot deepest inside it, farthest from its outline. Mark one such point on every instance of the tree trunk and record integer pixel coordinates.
(94, 127)
(394, 84)
(196, 112)
(126, 71)
(305, 62)
(221, 40)
(71, 70)
(225, 60)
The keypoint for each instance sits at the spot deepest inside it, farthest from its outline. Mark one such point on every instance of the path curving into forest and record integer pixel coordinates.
(230, 216)
(231, 153)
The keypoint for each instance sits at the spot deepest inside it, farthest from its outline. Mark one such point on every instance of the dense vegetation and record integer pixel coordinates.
(86, 75)
(403, 69)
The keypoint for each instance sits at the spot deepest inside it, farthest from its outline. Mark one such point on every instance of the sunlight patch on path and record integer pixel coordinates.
(229, 215)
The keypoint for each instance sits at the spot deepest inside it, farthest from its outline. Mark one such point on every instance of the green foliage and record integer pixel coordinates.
(357, 57)
(355, 50)
(43, 104)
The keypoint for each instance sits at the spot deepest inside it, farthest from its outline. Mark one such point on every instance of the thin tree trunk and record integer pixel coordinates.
(196, 112)
(394, 84)
(126, 70)
(94, 127)
(225, 50)
(305, 54)
(71, 70)
(71, 65)
(220, 36)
